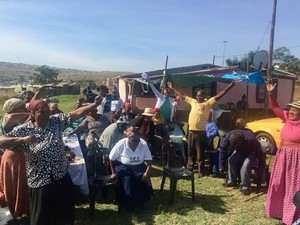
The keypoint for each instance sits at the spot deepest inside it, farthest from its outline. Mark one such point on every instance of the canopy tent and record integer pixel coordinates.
(254, 78)
(189, 80)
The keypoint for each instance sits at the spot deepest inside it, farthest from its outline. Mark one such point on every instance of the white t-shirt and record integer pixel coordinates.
(116, 105)
(123, 153)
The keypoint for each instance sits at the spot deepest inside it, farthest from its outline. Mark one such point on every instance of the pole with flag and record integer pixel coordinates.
(165, 79)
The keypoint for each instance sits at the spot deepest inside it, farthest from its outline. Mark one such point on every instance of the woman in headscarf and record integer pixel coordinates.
(13, 181)
(50, 185)
(285, 176)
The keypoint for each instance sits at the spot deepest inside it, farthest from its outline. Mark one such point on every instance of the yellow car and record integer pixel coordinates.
(267, 132)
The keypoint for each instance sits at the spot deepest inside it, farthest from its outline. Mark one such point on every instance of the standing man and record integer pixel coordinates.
(197, 124)
(105, 107)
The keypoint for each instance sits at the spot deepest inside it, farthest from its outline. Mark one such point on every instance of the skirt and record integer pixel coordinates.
(284, 183)
(53, 204)
(14, 191)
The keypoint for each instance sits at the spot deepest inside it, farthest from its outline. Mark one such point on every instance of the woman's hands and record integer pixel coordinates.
(170, 85)
(145, 177)
(30, 139)
(112, 177)
(270, 86)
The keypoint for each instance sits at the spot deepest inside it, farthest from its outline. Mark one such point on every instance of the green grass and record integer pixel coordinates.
(66, 103)
(213, 205)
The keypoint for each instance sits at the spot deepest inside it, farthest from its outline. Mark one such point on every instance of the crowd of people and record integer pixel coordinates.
(34, 167)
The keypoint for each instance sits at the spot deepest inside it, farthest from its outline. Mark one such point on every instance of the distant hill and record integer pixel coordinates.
(16, 71)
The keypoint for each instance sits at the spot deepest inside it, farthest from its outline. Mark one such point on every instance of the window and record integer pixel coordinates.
(209, 88)
(261, 91)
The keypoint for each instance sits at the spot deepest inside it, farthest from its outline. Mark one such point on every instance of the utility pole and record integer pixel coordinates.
(224, 52)
(269, 74)
(270, 59)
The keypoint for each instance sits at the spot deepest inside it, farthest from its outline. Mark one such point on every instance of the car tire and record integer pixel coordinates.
(268, 143)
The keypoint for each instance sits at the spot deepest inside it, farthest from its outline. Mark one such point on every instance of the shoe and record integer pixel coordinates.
(200, 175)
(189, 168)
(214, 175)
(245, 191)
(229, 185)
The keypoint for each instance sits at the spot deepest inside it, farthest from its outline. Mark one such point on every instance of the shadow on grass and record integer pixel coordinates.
(106, 212)
(183, 202)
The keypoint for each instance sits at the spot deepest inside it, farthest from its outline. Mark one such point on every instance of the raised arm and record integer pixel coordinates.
(13, 119)
(155, 91)
(82, 111)
(270, 86)
(37, 94)
(170, 85)
(223, 92)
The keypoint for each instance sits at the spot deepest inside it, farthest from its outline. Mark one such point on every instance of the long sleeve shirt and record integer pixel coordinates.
(161, 99)
(250, 145)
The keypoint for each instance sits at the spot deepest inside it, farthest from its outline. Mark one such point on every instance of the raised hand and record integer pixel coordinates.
(270, 86)
(170, 85)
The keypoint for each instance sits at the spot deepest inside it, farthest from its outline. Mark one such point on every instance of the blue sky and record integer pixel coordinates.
(137, 35)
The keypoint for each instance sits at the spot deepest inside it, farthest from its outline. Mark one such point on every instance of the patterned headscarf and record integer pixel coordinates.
(294, 104)
(12, 104)
(36, 104)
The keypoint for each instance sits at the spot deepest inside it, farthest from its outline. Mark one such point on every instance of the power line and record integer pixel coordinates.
(267, 28)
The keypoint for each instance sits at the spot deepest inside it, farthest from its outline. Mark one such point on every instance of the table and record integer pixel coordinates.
(216, 113)
(77, 169)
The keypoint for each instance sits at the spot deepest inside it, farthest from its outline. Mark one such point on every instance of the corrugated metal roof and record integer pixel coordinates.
(62, 84)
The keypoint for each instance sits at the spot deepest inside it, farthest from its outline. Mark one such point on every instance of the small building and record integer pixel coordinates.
(190, 79)
(62, 88)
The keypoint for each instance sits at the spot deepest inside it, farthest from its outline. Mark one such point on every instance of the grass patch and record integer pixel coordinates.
(213, 205)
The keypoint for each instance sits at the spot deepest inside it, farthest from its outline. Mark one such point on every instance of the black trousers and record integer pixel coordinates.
(53, 204)
(196, 147)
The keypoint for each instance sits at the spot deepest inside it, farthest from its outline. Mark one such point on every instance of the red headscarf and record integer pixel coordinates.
(36, 104)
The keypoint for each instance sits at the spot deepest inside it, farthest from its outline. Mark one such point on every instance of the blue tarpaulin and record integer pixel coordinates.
(254, 78)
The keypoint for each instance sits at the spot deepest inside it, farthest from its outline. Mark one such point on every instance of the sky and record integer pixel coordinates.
(138, 35)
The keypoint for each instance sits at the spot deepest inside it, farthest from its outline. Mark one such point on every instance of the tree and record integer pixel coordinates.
(281, 57)
(46, 75)
(286, 61)
(243, 62)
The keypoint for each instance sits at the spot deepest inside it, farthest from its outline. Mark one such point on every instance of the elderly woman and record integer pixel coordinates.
(54, 109)
(285, 176)
(127, 162)
(94, 124)
(51, 188)
(13, 181)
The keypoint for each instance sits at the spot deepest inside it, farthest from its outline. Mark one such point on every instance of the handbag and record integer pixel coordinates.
(296, 199)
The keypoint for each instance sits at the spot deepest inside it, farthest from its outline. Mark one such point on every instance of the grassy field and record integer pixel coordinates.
(213, 203)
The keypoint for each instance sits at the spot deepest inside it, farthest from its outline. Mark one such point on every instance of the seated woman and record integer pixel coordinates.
(94, 124)
(130, 162)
